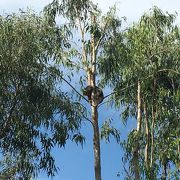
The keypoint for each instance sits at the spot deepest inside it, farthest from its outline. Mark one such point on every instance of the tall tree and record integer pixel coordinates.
(91, 29)
(35, 115)
(141, 58)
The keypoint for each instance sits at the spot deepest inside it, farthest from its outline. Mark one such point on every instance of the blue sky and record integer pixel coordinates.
(75, 162)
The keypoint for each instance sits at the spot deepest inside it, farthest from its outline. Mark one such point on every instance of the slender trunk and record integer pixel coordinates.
(94, 108)
(136, 146)
(153, 125)
(90, 68)
(139, 112)
(96, 143)
(152, 137)
(146, 153)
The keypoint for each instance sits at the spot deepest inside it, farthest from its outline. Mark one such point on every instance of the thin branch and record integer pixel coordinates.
(161, 70)
(89, 120)
(74, 89)
(120, 91)
(105, 102)
(172, 70)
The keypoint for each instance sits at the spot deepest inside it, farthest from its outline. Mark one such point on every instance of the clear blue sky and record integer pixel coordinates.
(74, 162)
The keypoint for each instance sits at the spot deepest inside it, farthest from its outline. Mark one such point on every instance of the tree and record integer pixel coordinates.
(35, 115)
(144, 61)
(83, 17)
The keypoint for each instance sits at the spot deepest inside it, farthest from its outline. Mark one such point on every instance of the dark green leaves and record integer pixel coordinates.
(34, 114)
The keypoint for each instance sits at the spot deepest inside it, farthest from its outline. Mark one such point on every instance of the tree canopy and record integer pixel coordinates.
(35, 115)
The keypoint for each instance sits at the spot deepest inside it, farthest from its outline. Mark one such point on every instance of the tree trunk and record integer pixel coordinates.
(136, 146)
(96, 143)
(94, 107)
(146, 153)
(153, 125)
(139, 111)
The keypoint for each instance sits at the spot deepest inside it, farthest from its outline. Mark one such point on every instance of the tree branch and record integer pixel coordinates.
(161, 70)
(74, 89)
(172, 70)
(125, 89)
(89, 120)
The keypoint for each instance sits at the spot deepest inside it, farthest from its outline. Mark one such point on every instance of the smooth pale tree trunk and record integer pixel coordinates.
(146, 153)
(136, 146)
(139, 111)
(152, 138)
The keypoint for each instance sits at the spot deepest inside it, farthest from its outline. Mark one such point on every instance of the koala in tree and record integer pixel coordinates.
(94, 93)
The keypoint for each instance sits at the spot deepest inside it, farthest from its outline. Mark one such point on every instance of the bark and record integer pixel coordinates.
(153, 125)
(146, 153)
(96, 143)
(136, 146)
(152, 138)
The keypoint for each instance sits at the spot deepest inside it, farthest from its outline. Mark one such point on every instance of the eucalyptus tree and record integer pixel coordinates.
(35, 115)
(144, 61)
(89, 30)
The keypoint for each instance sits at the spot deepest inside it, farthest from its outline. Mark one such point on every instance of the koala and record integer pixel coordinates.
(94, 94)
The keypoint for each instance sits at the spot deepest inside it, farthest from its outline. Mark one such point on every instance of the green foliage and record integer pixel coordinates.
(69, 9)
(77, 17)
(34, 115)
(91, 30)
(108, 130)
(147, 52)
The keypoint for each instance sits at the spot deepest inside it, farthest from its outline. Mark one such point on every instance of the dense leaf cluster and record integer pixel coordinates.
(34, 114)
